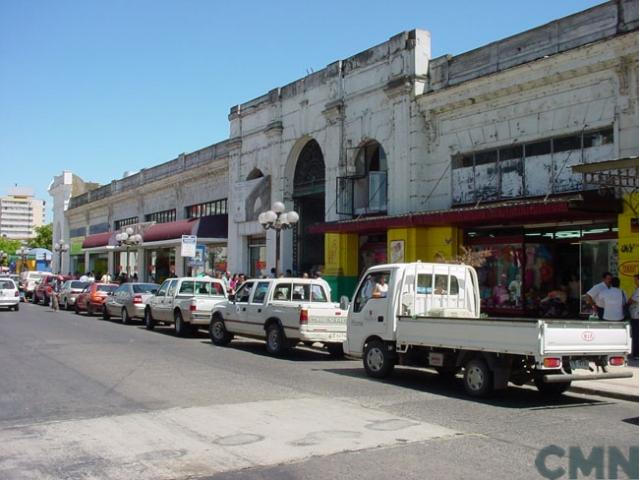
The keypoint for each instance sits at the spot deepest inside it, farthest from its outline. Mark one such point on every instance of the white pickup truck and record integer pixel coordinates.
(429, 316)
(284, 311)
(184, 302)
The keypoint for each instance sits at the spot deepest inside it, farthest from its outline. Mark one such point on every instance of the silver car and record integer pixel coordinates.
(70, 291)
(9, 295)
(128, 301)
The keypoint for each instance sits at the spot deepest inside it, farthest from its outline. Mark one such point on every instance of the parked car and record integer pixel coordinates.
(284, 312)
(92, 298)
(44, 289)
(9, 294)
(184, 302)
(29, 280)
(70, 291)
(128, 301)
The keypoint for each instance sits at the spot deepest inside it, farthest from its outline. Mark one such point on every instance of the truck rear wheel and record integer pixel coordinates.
(335, 349)
(378, 360)
(478, 378)
(551, 390)
(218, 333)
(181, 328)
(276, 343)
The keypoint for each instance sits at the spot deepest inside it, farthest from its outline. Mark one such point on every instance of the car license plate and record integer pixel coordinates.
(579, 364)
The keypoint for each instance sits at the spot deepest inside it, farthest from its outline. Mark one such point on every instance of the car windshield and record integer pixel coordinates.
(79, 285)
(145, 288)
(106, 288)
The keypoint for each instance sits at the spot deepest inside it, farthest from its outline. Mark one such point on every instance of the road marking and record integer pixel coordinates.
(182, 442)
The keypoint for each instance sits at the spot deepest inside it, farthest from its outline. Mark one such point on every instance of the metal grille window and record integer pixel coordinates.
(164, 216)
(118, 224)
(215, 207)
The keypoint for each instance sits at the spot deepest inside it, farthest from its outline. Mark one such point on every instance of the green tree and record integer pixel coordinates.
(9, 247)
(43, 238)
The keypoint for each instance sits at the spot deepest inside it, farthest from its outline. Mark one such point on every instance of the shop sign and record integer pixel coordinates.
(76, 246)
(198, 258)
(260, 265)
(189, 244)
(630, 268)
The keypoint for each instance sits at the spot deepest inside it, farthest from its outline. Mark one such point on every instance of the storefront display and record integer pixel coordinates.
(257, 257)
(373, 250)
(160, 264)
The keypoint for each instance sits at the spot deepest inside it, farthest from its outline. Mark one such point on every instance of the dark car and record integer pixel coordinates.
(42, 292)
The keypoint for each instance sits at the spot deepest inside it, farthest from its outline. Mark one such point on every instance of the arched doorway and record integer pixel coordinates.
(309, 200)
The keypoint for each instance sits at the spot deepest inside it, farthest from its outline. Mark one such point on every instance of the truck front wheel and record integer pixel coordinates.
(276, 343)
(478, 378)
(218, 332)
(379, 362)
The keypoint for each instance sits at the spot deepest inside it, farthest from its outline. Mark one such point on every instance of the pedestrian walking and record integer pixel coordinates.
(593, 296)
(633, 306)
(55, 293)
(614, 302)
(106, 278)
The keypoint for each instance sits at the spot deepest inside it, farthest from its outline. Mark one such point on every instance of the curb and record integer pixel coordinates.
(631, 397)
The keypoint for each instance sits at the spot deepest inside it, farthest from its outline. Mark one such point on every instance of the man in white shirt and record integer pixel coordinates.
(593, 296)
(614, 301)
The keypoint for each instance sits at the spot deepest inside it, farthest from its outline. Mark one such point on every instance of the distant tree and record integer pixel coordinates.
(43, 238)
(9, 247)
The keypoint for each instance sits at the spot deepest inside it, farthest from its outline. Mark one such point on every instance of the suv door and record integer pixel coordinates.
(155, 303)
(167, 303)
(255, 310)
(237, 313)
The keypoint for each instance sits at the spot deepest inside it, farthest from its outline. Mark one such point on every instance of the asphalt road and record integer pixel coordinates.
(83, 398)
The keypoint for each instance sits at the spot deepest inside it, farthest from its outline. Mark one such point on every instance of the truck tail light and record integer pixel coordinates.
(137, 299)
(303, 316)
(617, 361)
(552, 362)
(193, 306)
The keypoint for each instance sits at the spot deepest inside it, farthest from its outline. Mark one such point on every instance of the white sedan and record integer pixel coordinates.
(9, 294)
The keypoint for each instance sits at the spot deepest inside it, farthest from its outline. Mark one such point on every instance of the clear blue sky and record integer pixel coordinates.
(99, 87)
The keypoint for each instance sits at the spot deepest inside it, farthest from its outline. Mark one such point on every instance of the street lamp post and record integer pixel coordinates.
(60, 247)
(23, 252)
(277, 219)
(128, 239)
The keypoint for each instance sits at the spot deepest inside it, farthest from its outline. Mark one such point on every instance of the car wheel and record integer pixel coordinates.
(34, 299)
(105, 313)
(149, 323)
(379, 362)
(89, 310)
(478, 378)
(181, 329)
(218, 333)
(335, 349)
(77, 309)
(17, 307)
(46, 301)
(125, 316)
(276, 343)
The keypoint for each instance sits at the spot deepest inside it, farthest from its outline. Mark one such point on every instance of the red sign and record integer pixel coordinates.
(260, 265)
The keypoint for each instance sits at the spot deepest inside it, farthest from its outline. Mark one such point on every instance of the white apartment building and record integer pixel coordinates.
(20, 214)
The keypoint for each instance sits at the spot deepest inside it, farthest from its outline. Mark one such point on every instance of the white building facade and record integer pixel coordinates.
(390, 155)
(20, 214)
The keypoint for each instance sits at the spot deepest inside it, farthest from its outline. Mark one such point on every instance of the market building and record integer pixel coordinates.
(185, 196)
(391, 155)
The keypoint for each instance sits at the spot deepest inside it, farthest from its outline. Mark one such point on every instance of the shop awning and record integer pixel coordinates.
(580, 207)
(97, 240)
(214, 226)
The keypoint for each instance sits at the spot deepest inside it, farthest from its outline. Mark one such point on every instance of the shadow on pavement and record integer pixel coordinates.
(428, 382)
(300, 353)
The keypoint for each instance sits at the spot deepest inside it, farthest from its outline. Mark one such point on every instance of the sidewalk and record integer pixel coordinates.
(623, 388)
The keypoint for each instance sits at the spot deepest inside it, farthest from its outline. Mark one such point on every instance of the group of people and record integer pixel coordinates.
(611, 303)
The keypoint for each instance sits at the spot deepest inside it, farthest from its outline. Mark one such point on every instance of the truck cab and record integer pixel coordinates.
(414, 289)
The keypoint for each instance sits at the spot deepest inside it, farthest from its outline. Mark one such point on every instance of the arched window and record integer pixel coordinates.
(370, 183)
(309, 171)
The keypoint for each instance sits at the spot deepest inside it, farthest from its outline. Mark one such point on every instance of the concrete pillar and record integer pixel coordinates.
(179, 261)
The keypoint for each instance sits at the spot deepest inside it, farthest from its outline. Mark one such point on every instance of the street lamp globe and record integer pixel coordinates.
(278, 207)
(293, 217)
